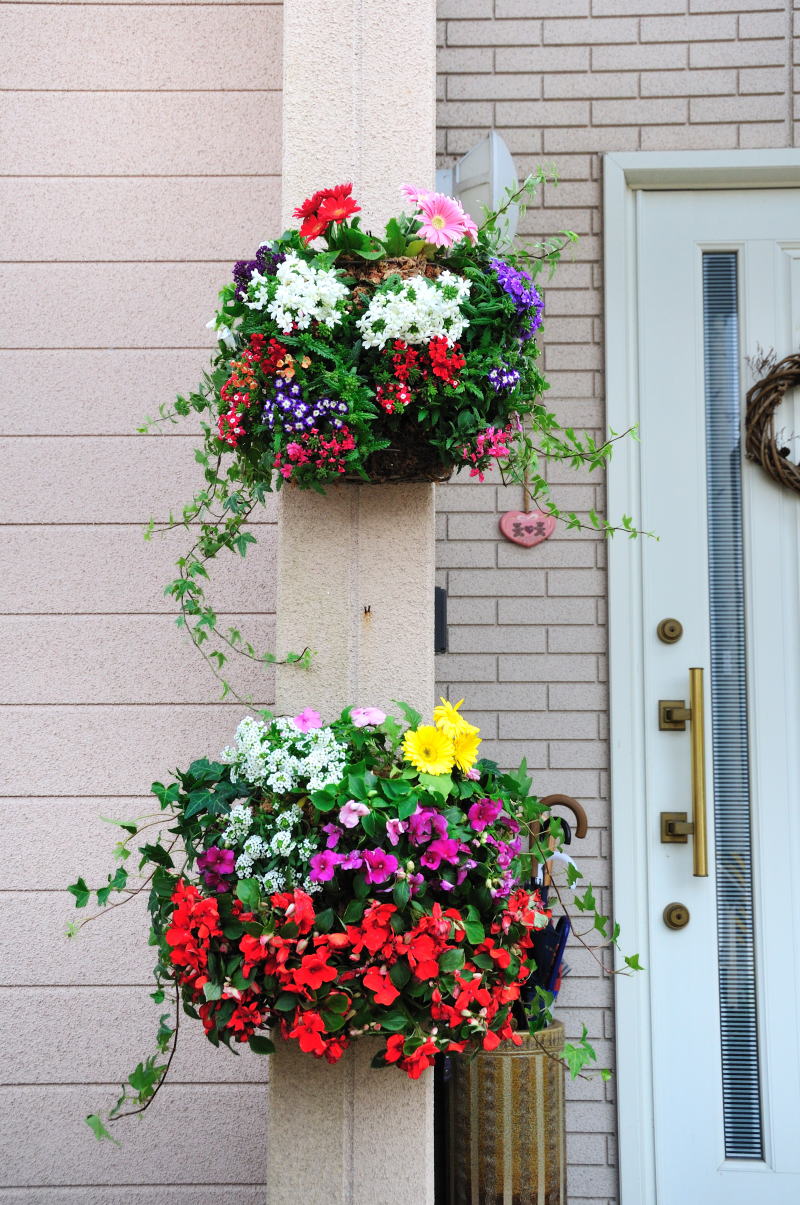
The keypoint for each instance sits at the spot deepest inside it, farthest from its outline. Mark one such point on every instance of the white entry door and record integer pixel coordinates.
(709, 1034)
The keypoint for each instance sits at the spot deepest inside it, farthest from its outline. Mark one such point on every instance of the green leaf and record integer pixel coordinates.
(261, 1045)
(324, 801)
(475, 932)
(632, 961)
(437, 784)
(324, 921)
(82, 896)
(99, 1130)
(249, 892)
(353, 912)
(395, 239)
(394, 1022)
(124, 824)
(286, 1002)
(411, 717)
(401, 893)
(399, 973)
(451, 960)
(212, 991)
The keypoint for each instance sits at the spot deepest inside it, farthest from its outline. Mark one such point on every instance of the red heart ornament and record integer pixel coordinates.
(527, 527)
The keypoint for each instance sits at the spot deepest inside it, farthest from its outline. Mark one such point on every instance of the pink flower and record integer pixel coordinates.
(393, 830)
(473, 774)
(323, 866)
(352, 860)
(351, 813)
(484, 813)
(442, 219)
(413, 195)
(334, 833)
(423, 823)
(308, 719)
(366, 717)
(444, 849)
(470, 228)
(380, 865)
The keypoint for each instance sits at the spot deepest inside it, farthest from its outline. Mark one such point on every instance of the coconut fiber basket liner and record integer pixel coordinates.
(507, 1131)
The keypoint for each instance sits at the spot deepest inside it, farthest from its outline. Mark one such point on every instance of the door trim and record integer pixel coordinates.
(624, 176)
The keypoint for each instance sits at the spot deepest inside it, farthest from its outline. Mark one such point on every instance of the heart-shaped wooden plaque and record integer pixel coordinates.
(527, 527)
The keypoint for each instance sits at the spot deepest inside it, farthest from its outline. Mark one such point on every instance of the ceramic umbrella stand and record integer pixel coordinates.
(507, 1131)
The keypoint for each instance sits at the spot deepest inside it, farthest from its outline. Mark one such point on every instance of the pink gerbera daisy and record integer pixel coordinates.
(442, 219)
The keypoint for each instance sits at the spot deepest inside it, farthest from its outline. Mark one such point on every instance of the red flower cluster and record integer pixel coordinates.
(325, 206)
(446, 361)
(323, 988)
(394, 395)
(243, 388)
(311, 447)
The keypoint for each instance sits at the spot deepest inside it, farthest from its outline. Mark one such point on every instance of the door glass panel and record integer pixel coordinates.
(737, 981)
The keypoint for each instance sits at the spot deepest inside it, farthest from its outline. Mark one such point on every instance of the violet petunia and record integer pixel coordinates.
(367, 717)
(323, 865)
(308, 719)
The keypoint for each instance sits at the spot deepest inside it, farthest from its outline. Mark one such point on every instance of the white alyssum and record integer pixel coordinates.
(237, 826)
(289, 761)
(298, 293)
(419, 310)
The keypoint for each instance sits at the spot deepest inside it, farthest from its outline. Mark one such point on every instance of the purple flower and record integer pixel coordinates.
(503, 378)
(424, 823)
(334, 833)
(367, 717)
(352, 860)
(380, 865)
(415, 881)
(213, 864)
(393, 830)
(323, 865)
(484, 813)
(351, 812)
(308, 719)
(519, 286)
(265, 262)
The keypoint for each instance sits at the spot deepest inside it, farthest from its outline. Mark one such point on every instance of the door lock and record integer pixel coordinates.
(676, 916)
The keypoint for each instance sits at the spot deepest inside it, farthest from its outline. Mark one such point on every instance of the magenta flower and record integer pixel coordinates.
(394, 828)
(484, 813)
(213, 864)
(308, 719)
(351, 812)
(442, 219)
(380, 865)
(424, 823)
(323, 866)
(444, 849)
(367, 717)
(334, 833)
(352, 860)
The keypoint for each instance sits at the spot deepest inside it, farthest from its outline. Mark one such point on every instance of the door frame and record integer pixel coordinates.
(624, 175)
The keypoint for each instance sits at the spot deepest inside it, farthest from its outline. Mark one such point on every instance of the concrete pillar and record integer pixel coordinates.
(355, 570)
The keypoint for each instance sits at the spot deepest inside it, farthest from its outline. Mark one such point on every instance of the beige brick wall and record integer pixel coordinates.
(563, 81)
(140, 156)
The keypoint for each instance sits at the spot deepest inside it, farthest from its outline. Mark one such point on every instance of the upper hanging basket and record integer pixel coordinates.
(372, 359)
(761, 403)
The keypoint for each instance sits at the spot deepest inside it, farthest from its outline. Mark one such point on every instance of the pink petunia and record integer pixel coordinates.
(308, 719)
(394, 828)
(379, 865)
(367, 717)
(442, 220)
(323, 866)
(351, 812)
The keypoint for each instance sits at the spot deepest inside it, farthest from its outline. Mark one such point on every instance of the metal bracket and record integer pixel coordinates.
(676, 828)
(673, 714)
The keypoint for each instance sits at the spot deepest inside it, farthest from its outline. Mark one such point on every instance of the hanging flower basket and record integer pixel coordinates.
(331, 881)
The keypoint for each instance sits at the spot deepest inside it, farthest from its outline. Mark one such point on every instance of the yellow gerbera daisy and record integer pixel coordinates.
(429, 750)
(447, 718)
(465, 749)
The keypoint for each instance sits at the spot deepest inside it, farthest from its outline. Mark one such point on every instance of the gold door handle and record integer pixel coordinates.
(673, 714)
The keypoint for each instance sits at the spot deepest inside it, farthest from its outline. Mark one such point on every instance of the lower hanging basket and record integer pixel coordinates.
(409, 462)
(507, 1131)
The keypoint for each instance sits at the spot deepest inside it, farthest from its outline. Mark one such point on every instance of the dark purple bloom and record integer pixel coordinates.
(503, 378)
(519, 286)
(214, 863)
(265, 262)
(296, 414)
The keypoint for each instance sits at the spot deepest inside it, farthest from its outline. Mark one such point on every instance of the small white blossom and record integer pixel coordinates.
(418, 311)
(298, 293)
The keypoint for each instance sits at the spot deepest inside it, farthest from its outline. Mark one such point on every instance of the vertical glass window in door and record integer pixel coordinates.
(741, 1092)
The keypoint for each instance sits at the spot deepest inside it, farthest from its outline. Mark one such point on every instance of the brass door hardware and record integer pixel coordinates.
(669, 630)
(673, 715)
(676, 916)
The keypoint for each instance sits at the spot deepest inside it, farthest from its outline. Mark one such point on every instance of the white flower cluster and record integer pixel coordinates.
(419, 310)
(285, 844)
(302, 293)
(296, 761)
(237, 826)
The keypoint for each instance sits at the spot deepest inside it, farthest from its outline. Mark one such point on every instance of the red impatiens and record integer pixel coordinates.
(412, 975)
(325, 206)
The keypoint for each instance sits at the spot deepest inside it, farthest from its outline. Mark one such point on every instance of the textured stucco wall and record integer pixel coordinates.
(140, 156)
(563, 81)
